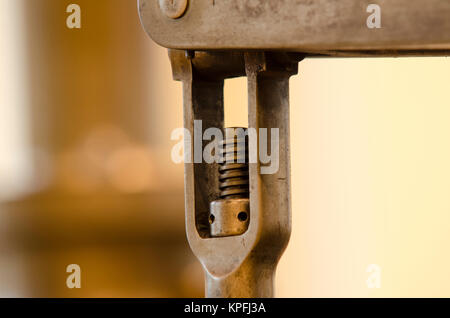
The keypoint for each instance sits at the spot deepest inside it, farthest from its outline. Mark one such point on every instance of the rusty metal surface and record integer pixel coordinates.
(329, 27)
(229, 217)
(243, 265)
(230, 213)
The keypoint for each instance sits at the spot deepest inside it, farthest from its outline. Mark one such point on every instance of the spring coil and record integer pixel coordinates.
(233, 169)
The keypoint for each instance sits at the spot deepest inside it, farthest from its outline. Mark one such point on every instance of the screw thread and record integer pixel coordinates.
(233, 170)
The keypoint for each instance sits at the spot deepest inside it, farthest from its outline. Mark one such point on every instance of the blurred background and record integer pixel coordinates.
(86, 175)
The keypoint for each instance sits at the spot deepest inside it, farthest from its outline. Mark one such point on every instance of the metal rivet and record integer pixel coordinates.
(173, 9)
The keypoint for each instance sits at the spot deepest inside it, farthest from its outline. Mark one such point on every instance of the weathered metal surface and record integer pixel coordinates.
(229, 217)
(330, 27)
(230, 214)
(243, 265)
(173, 9)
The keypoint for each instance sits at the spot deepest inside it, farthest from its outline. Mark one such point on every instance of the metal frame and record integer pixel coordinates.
(316, 27)
(238, 266)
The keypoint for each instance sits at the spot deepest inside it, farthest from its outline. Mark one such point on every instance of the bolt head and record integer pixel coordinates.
(173, 9)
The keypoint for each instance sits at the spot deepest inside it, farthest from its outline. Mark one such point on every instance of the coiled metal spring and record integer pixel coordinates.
(233, 170)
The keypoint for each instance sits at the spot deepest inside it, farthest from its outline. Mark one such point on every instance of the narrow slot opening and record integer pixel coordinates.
(236, 102)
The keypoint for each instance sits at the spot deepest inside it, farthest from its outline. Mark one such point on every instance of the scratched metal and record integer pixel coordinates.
(312, 26)
(242, 265)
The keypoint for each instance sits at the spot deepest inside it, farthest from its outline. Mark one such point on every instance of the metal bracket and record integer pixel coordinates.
(244, 265)
(319, 27)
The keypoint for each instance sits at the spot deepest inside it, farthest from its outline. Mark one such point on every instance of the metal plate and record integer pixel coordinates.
(315, 26)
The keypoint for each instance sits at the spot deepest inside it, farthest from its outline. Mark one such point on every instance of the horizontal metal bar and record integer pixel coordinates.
(317, 27)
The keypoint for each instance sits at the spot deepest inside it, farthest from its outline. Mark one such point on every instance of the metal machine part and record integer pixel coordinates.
(230, 214)
(229, 217)
(212, 40)
(317, 28)
(173, 9)
(238, 261)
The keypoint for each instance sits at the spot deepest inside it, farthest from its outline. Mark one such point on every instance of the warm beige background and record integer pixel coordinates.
(370, 178)
(370, 145)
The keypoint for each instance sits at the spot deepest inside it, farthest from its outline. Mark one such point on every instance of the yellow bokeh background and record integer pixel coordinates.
(370, 178)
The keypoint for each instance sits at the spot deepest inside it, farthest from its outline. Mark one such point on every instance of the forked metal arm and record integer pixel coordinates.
(244, 265)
